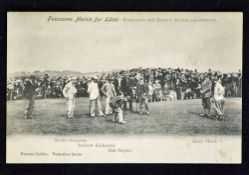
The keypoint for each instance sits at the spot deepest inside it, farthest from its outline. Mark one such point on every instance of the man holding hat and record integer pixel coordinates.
(116, 104)
(69, 92)
(94, 97)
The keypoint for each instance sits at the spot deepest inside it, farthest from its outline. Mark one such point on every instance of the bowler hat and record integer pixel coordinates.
(94, 77)
(72, 78)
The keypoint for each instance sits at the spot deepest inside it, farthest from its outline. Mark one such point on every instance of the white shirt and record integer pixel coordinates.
(151, 89)
(108, 89)
(93, 91)
(219, 91)
(69, 90)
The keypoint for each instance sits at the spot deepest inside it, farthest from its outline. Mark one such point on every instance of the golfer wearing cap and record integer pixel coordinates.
(94, 97)
(69, 92)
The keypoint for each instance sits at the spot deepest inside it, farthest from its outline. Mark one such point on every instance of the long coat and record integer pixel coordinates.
(29, 89)
(206, 88)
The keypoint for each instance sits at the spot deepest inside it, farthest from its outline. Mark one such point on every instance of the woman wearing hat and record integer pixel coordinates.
(69, 92)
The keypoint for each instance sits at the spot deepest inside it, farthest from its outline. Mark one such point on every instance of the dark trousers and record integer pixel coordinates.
(130, 101)
(178, 94)
(30, 105)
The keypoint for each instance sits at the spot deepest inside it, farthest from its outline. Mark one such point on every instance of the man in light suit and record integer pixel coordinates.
(219, 102)
(109, 92)
(94, 97)
(69, 92)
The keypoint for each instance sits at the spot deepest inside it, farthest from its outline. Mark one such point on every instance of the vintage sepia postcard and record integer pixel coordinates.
(124, 87)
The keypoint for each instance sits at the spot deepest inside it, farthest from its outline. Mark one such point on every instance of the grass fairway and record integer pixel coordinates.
(167, 118)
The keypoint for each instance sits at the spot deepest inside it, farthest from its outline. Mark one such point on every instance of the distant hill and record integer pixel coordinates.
(52, 73)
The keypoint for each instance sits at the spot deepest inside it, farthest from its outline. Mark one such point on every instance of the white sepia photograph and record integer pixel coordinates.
(124, 87)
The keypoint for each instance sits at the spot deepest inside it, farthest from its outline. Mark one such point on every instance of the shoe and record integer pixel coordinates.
(31, 117)
(147, 113)
(102, 116)
(202, 115)
(123, 122)
(220, 117)
(208, 115)
(140, 113)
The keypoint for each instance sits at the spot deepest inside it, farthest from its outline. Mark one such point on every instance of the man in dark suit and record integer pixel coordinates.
(125, 88)
(206, 94)
(142, 93)
(30, 93)
(117, 83)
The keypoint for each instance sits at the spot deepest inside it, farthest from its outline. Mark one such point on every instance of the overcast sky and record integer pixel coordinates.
(35, 44)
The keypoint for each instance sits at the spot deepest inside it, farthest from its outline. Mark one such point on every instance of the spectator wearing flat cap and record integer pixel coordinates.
(94, 97)
(69, 92)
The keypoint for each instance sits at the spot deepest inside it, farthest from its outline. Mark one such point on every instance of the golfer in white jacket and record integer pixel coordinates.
(219, 101)
(94, 97)
(69, 92)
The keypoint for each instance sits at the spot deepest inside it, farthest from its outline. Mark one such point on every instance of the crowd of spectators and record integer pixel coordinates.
(164, 83)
